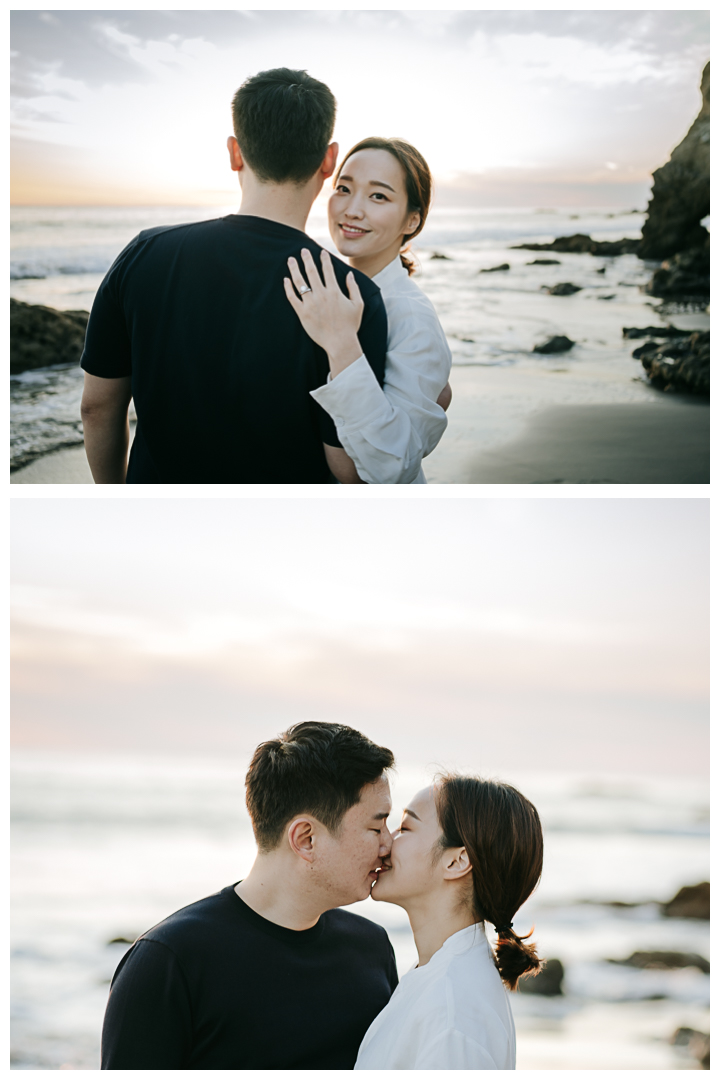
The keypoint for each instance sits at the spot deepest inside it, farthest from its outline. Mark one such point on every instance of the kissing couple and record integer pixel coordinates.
(271, 973)
(252, 355)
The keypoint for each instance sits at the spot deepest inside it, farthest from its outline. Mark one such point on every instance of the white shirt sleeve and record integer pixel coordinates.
(388, 431)
(452, 1049)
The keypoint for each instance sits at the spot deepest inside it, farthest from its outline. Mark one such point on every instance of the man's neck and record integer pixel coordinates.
(271, 891)
(284, 203)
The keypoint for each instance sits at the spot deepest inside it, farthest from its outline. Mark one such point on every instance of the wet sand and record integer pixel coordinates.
(67, 466)
(664, 443)
(496, 436)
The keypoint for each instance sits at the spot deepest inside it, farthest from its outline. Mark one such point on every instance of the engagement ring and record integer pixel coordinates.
(303, 289)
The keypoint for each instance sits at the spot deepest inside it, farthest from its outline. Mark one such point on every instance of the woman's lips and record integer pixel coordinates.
(350, 232)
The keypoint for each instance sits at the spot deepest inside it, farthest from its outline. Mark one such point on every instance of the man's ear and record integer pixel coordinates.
(301, 838)
(456, 863)
(236, 159)
(330, 160)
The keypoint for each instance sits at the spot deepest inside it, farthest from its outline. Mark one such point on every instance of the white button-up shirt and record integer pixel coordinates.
(388, 431)
(452, 1013)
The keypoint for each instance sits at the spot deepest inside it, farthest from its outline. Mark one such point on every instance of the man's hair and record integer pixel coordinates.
(283, 122)
(312, 768)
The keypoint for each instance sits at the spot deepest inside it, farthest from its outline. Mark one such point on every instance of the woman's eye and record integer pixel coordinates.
(342, 189)
(379, 195)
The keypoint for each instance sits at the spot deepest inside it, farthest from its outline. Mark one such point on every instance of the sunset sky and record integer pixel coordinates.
(562, 634)
(511, 108)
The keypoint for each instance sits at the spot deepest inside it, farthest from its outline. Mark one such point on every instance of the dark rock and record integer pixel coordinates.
(492, 269)
(437, 255)
(660, 959)
(692, 901)
(654, 331)
(697, 1044)
(547, 982)
(565, 288)
(648, 349)
(122, 941)
(681, 191)
(556, 344)
(684, 277)
(601, 270)
(41, 336)
(610, 296)
(582, 244)
(550, 262)
(679, 364)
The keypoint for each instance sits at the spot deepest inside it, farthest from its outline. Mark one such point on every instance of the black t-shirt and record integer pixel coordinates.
(217, 986)
(221, 367)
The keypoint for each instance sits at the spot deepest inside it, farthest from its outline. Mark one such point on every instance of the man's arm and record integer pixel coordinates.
(148, 1020)
(104, 412)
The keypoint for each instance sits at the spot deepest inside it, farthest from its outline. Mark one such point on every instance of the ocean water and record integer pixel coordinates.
(59, 256)
(104, 847)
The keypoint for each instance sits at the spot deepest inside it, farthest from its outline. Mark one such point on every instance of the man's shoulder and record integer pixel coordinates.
(177, 230)
(355, 926)
(205, 915)
(367, 286)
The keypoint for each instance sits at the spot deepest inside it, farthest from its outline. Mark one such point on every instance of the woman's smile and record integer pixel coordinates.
(353, 232)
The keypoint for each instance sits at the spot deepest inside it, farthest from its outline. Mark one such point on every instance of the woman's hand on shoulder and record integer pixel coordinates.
(328, 316)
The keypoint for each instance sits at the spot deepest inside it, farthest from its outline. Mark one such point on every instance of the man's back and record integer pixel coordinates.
(217, 986)
(221, 368)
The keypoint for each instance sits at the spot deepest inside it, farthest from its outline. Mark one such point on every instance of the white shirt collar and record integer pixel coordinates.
(393, 270)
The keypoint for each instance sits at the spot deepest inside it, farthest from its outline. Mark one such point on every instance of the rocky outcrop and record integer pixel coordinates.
(492, 269)
(41, 336)
(565, 288)
(545, 262)
(695, 1043)
(665, 960)
(681, 191)
(581, 244)
(678, 364)
(654, 332)
(557, 344)
(547, 982)
(685, 277)
(691, 902)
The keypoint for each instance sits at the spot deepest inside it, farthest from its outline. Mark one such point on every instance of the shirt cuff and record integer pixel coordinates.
(353, 396)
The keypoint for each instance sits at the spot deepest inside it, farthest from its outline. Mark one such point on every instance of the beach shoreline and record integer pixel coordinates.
(664, 439)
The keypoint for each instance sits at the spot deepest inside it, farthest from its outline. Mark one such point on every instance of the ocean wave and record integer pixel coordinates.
(55, 265)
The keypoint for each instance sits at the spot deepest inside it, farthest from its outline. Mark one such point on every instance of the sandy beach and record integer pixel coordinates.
(663, 440)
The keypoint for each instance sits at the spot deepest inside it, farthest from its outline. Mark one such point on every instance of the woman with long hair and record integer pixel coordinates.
(466, 857)
(380, 202)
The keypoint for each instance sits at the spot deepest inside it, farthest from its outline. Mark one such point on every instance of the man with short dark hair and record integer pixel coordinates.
(192, 321)
(268, 973)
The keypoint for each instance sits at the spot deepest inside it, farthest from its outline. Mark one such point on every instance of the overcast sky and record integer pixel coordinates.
(509, 107)
(557, 634)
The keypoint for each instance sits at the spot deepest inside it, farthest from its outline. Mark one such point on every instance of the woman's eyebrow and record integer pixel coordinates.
(377, 183)
(412, 814)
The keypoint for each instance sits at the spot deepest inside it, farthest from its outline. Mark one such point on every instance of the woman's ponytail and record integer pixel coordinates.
(501, 832)
(513, 958)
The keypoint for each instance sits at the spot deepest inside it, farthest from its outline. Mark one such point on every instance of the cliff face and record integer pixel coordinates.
(681, 191)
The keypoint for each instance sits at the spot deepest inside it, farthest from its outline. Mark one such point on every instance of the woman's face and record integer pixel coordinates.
(368, 210)
(410, 871)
